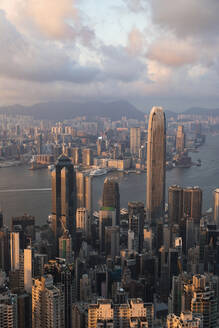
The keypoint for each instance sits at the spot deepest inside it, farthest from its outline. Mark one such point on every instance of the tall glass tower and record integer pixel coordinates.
(156, 165)
(63, 195)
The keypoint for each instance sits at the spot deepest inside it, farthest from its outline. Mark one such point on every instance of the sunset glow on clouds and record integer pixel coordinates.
(148, 52)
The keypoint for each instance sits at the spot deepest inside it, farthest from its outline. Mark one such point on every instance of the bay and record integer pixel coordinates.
(25, 191)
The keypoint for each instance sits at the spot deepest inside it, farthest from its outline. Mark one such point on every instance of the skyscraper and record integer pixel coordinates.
(156, 164)
(62, 274)
(111, 196)
(112, 240)
(136, 222)
(15, 250)
(216, 207)
(28, 270)
(180, 139)
(84, 191)
(87, 157)
(8, 310)
(65, 247)
(107, 218)
(192, 202)
(63, 195)
(47, 304)
(135, 140)
(175, 204)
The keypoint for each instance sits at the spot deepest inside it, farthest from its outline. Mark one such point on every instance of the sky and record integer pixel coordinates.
(148, 52)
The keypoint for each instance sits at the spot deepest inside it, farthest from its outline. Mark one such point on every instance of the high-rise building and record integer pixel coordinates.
(175, 204)
(24, 310)
(180, 139)
(39, 144)
(112, 239)
(216, 207)
(133, 313)
(47, 304)
(156, 164)
(27, 224)
(192, 202)
(15, 250)
(1, 219)
(100, 145)
(28, 270)
(200, 298)
(76, 156)
(63, 196)
(136, 223)
(186, 319)
(111, 196)
(87, 157)
(84, 191)
(65, 247)
(107, 218)
(39, 261)
(135, 140)
(8, 310)
(204, 302)
(4, 249)
(83, 222)
(62, 274)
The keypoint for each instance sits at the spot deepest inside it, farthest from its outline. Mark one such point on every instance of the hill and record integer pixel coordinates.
(59, 111)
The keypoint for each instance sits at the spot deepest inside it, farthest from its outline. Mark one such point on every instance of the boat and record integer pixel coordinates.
(98, 172)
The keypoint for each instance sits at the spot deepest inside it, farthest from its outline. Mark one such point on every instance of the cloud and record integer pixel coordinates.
(25, 59)
(171, 56)
(136, 5)
(172, 52)
(198, 18)
(51, 19)
(118, 64)
(158, 72)
(136, 42)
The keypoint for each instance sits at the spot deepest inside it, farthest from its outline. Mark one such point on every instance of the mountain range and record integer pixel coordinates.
(59, 111)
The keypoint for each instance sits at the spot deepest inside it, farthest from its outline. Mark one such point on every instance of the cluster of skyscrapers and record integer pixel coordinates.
(136, 267)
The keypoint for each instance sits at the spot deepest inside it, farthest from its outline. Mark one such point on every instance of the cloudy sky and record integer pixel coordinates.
(149, 52)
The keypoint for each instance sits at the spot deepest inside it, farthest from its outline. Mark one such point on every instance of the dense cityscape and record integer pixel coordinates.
(151, 264)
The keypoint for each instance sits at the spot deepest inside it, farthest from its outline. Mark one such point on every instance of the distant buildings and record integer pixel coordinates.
(216, 207)
(135, 141)
(180, 139)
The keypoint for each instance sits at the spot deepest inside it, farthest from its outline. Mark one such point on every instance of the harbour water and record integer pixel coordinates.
(25, 191)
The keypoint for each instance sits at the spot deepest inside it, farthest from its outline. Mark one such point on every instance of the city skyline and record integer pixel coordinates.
(109, 175)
